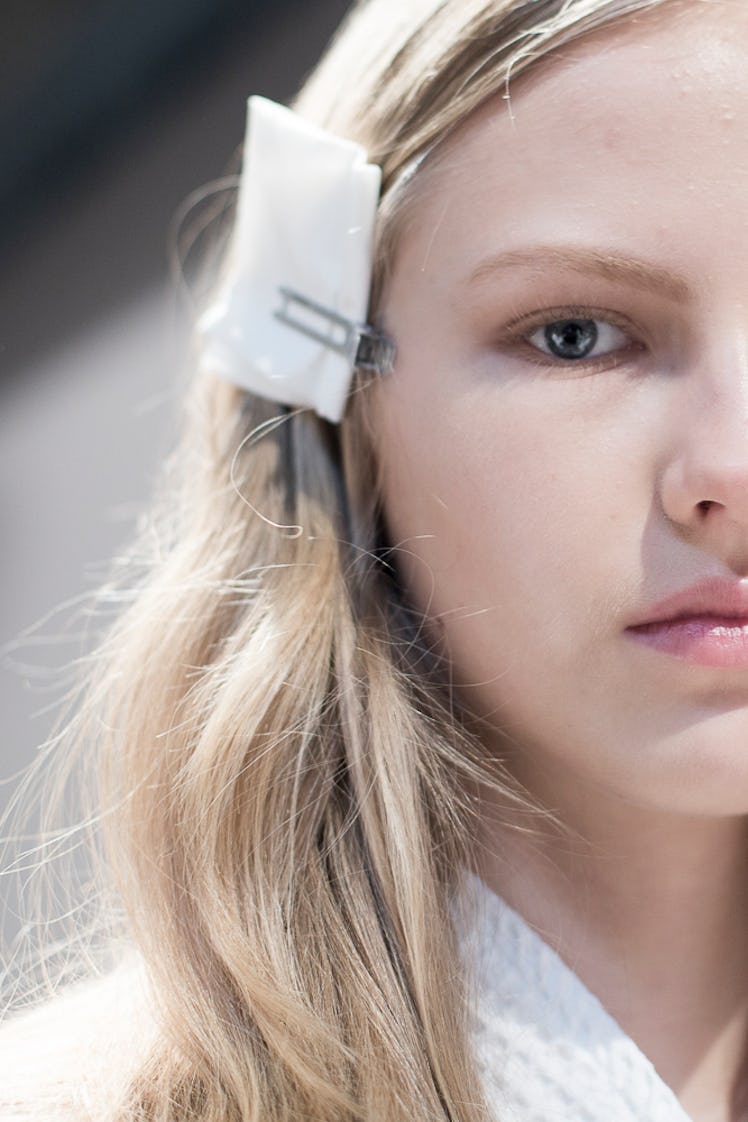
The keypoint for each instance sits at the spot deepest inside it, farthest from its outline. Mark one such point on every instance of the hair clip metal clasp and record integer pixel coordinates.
(363, 346)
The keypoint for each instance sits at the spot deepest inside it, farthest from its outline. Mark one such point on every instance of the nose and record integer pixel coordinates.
(704, 488)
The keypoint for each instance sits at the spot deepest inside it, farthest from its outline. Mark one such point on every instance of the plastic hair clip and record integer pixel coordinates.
(363, 346)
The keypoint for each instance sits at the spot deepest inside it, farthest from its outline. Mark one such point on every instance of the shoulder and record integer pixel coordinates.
(67, 1060)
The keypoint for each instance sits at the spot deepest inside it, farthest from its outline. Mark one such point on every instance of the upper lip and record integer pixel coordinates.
(715, 596)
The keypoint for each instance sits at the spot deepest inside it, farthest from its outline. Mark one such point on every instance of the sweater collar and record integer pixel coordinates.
(547, 1050)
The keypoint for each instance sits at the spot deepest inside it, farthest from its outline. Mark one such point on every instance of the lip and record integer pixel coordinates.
(706, 624)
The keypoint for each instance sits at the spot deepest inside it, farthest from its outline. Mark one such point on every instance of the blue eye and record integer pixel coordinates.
(577, 338)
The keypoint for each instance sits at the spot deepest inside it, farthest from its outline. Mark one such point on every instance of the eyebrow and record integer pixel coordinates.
(608, 266)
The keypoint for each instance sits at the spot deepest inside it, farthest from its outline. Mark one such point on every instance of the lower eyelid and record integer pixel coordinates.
(624, 357)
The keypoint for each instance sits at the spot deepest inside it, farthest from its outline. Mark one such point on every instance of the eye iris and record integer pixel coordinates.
(571, 338)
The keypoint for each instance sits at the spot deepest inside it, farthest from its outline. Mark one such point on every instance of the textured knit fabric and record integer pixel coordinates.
(547, 1050)
(69, 1060)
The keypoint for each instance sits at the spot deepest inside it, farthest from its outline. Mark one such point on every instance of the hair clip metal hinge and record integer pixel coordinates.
(363, 346)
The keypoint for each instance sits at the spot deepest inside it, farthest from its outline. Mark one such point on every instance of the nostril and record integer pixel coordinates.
(704, 506)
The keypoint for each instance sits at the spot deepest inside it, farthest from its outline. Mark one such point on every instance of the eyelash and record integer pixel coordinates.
(517, 333)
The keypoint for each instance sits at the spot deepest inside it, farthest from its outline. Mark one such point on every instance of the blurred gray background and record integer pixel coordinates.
(111, 113)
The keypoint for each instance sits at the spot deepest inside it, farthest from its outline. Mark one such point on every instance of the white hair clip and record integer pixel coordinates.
(289, 321)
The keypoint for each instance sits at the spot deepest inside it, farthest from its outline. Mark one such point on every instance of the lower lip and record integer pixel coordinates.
(707, 640)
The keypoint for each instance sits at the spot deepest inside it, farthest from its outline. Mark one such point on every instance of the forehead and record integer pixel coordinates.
(616, 125)
(647, 61)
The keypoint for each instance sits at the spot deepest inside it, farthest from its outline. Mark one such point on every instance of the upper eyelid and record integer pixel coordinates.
(528, 321)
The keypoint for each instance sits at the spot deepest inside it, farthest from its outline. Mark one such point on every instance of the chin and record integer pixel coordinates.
(702, 768)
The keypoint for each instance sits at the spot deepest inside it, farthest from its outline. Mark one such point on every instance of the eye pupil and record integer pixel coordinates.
(571, 338)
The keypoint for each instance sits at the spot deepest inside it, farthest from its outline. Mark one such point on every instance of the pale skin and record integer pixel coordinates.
(542, 503)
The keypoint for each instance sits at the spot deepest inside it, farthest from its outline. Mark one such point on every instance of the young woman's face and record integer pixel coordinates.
(565, 436)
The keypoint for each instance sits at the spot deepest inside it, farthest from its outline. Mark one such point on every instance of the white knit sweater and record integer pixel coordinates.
(547, 1051)
(70, 1059)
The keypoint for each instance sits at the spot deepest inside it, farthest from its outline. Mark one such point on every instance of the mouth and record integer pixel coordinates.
(706, 624)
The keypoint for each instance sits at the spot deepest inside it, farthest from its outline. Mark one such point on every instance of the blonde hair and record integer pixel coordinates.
(283, 779)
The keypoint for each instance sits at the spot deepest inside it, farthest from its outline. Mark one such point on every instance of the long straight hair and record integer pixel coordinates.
(281, 775)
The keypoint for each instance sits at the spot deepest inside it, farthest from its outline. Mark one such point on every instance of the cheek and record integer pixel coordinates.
(504, 536)
(476, 496)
